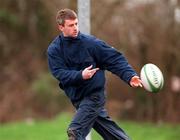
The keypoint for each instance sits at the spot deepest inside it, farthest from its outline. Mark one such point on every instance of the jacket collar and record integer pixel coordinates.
(71, 38)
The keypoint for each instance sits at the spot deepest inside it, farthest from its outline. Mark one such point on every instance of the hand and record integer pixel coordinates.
(136, 81)
(88, 72)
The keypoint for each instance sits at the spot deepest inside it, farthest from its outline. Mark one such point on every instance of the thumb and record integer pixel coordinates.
(90, 67)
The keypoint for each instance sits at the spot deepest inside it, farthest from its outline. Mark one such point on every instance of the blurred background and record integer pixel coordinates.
(146, 31)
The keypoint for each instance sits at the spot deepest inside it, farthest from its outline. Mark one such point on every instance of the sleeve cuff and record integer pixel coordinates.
(79, 76)
(129, 79)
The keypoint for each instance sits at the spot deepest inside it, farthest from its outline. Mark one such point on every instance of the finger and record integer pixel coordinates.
(90, 75)
(140, 85)
(96, 69)
(93, 71)
(135, 84)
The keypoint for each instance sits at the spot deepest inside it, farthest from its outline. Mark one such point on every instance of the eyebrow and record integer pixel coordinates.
(73, 23)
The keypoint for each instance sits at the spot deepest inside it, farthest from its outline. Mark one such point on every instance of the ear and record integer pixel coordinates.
(60, 27)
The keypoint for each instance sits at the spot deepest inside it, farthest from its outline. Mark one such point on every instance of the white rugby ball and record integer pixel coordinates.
(152, 78)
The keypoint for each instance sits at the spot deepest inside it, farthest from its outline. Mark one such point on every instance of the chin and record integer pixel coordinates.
(74, 35)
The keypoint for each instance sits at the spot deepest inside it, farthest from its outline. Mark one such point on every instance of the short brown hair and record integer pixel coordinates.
(65, 14)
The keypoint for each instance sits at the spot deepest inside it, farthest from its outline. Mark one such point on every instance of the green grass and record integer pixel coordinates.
(56, 130)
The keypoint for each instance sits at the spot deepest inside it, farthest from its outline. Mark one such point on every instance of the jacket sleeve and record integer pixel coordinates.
(60, 71)
(112, 60)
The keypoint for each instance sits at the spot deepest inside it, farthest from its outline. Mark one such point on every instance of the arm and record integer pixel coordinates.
(115, 62)
(59, 69)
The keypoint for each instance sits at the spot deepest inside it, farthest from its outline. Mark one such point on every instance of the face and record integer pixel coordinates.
(70, 28)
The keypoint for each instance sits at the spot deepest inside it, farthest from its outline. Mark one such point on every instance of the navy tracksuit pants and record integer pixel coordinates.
(92, 114)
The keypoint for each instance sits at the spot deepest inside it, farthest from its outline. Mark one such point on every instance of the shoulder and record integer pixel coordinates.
(54, 45)
(91, 40)
(96, 43)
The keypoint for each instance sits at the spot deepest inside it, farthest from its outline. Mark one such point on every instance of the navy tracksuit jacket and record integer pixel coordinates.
(68, 56)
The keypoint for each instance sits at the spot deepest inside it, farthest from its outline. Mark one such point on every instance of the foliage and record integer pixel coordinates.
(8, 18)
(147, 33)
(23, 43)
(48, 97)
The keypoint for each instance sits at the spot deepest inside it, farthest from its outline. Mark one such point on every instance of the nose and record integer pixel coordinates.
(75, 27)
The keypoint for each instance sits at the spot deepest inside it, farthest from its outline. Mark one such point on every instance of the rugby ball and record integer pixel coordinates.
(152, 78)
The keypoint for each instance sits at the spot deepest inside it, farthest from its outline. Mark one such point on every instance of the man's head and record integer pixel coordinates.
(67, 22)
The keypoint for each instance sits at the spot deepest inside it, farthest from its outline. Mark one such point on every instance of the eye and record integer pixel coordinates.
(71, 25)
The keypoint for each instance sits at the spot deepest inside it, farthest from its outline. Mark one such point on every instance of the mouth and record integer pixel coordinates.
(75, 33)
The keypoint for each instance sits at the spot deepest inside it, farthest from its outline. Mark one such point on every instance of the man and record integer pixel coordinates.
(78, 61)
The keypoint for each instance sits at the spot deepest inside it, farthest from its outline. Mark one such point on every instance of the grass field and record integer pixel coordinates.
(56, 130)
